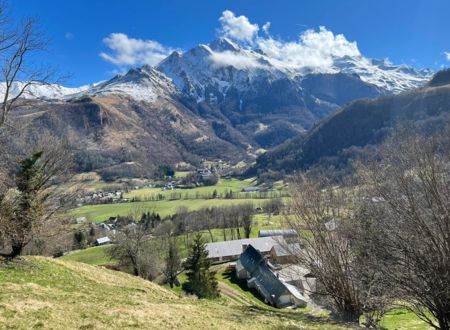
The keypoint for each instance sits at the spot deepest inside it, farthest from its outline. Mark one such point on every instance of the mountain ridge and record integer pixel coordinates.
(362, 124)
(216, 100)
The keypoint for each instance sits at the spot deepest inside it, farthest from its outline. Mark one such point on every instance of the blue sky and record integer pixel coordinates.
(405, 31)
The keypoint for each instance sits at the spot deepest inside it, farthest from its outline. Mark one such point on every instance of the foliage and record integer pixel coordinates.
(201, 280)
(165, 171)
(29, 205)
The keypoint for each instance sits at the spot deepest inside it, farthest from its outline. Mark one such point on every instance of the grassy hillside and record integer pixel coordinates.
(93, 256)
(47, 293)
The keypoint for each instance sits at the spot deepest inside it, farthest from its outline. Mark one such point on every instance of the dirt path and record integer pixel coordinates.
(234, 295)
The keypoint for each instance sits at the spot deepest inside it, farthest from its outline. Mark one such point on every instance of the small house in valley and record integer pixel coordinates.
(252, 267)
(102, 241)
(231, 250)
(278, 232)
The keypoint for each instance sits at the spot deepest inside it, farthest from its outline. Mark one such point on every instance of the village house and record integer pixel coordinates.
(103, 241)
(80, 220)
(231, 250)
(252, 267)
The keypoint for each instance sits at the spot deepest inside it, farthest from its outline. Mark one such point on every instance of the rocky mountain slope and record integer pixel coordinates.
(359, 125)
(129, 125)
(269, 101)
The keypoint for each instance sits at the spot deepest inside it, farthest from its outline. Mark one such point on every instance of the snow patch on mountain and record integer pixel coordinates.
(208, 71)
(382, 73)
(142, 84)
(40, 91)
(223, 64)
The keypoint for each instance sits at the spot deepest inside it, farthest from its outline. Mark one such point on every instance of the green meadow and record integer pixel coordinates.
(100, 213)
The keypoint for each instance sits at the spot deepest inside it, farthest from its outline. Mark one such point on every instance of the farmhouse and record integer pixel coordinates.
(102, 241)
(80, 220)
(252, 267)
(231, 250)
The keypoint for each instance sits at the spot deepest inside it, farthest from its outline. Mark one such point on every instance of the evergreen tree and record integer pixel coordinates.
(201, 280)
(79, 239)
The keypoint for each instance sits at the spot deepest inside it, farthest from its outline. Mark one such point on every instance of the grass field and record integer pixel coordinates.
(54, 294)
(100, 213)
(222, 186)
(403, 320)
(181, 174)
(92, 256)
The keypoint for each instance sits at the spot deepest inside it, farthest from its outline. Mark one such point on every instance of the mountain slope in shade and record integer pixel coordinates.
(361, 124)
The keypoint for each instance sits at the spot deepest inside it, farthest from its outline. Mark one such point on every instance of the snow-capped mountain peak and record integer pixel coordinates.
(208, 71)
(224, 44)
(222, 64)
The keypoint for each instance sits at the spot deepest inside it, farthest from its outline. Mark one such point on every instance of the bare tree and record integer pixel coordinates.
(247, 212)
(18, 45)
(324, 216)
(411, 211)
(137, 252)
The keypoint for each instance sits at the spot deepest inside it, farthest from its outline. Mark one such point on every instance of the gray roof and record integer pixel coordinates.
(278, 232)
(265, 279)
(286, 250)
(235, 247)
(103, 240)
(251, 189)
(293, 273)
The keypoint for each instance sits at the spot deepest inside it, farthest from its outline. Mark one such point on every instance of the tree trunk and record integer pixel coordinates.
(16, 250)
(444, 322)
(211, 235)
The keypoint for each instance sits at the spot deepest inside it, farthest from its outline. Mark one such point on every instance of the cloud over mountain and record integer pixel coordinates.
(126, 51)
(237, 27)
(447, 55)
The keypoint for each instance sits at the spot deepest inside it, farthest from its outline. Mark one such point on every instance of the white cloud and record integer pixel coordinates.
(314, 49)
(129, 51)
(266, 27)
(447, 55)
(237, 27)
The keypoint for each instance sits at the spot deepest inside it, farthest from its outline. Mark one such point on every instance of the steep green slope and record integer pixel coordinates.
(45, 293)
